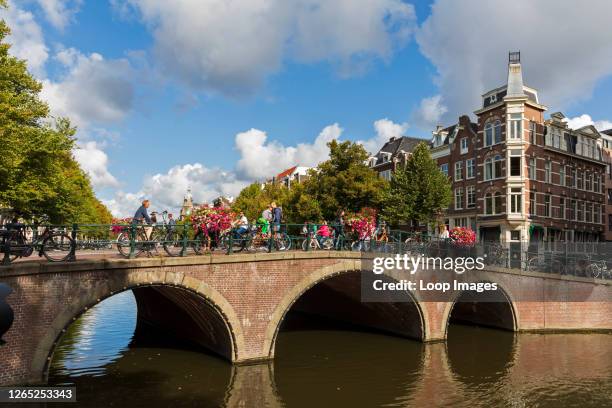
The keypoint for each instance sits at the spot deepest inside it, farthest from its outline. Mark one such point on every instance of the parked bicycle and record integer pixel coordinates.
(599, 269)
(53, 243)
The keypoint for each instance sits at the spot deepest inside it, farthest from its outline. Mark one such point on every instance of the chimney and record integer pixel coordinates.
(515, 75)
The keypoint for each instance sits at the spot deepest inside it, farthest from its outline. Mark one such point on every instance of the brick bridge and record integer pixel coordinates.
(234, 305)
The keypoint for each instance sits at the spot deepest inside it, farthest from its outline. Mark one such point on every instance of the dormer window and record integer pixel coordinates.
(493, 99)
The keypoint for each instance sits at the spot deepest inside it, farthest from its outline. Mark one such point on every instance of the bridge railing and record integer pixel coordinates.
(65, 242)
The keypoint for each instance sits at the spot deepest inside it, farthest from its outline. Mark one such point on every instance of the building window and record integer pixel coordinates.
(561, 208)
(488, 139)
(444, 169)
(580, 212)
(588, 211)
(515, 163)
(532, 203)
(573, 210)
(533, 175)
(547, 171)
(458, 198)
(459, 170)
(386, 174)
(597, 214)
(532, 133)
(514, 124)
(493, 168)
(587, 181)
(596, 183)
(562, 175)
(579, 178)
(488, 204)
(547, 205)
(471, 197)
(464, 145)
(516, 195)
(573, 178)
(498, 133)
(497, 203)
(470, 168)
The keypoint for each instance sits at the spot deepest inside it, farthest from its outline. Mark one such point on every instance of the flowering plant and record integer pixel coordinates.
(211, 219)
(463, 236)
(363, 223)
(119, 224)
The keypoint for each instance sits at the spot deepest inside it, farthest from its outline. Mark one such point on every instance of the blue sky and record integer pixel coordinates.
(174, 94)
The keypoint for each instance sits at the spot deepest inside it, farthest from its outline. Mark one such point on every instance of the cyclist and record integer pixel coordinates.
(142, 216)
(339, 226)
(242, 224)
(277, 217)
(323, 232)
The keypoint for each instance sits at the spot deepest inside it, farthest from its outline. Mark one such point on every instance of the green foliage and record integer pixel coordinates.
(344, 181)
(253, 199)
(38, 173)
(418, 192)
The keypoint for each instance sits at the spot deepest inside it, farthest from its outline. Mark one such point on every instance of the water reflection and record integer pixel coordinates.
(475, 368)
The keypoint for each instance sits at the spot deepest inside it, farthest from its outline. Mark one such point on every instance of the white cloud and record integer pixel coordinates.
(586, 120)
(94, 161)
(385, 129)
(166, 190)
(565, 48)
(92, 88)
(232, 46)
(430, 112)
(26, 38)
(59, 12)
(261, 159)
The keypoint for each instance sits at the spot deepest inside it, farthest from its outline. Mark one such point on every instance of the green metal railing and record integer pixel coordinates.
(65, 242)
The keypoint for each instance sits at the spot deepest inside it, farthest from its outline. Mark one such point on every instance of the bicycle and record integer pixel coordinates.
(53, 244)
(540, 263)
(598, 269)
(314, 241)
(497, 255)
(141, 243)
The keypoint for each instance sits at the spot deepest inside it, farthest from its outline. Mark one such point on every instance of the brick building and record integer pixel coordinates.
(517, 176)
(394, 153)
(607, 152)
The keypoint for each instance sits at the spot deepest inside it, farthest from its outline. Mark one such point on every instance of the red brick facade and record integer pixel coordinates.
(534, 179)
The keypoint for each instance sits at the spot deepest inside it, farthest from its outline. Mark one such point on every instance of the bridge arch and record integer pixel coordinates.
(496, 310)
(223, 317)
(311, 281)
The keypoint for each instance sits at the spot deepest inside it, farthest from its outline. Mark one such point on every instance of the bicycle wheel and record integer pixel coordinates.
(57, 247)
(237, 244)
(200, 242)
(123, 245)
(327, 244)
(283, 242)
(593, 270)
(173, 243)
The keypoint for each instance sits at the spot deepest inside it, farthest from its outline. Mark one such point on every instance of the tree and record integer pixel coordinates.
(345, 181)
(419, 191)
(38, 173)
(254, 198)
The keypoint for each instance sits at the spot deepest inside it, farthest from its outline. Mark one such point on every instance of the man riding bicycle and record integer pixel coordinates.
(142, 216)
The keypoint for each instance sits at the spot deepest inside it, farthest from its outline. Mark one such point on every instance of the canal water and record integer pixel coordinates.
(477, 367)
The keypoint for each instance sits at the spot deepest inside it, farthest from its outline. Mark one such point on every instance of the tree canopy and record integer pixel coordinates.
(419, 192)
(38, 173)
(343, 181)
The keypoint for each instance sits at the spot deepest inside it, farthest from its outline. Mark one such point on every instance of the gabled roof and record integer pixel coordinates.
(285, 173)
(395, 145)
(607, 132)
